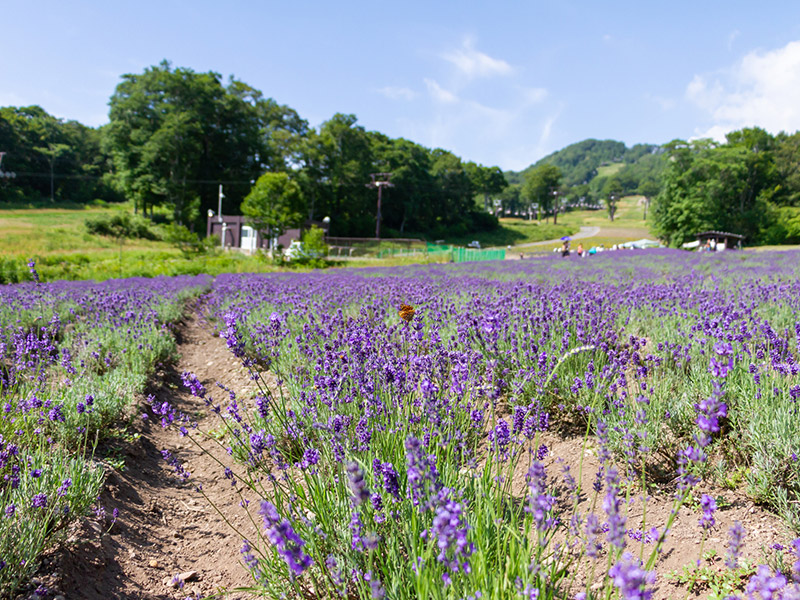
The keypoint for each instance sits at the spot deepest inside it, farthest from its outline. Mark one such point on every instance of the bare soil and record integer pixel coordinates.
(165, 527)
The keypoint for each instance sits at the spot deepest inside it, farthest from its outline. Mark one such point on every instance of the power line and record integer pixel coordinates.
(71, 176)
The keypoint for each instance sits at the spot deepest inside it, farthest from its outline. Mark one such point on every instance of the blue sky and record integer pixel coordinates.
(501, 83)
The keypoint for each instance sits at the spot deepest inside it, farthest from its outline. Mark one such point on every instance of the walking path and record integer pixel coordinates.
(165, 527)
(585, 232)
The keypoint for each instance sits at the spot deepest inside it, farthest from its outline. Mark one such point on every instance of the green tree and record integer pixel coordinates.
(787, 166)
(274, 204)
(174, 134)
(716, 186)
(540, 184)
(612, 192)
(486, 181)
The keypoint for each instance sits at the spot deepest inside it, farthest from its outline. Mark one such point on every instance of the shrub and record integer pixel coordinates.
(122, 225)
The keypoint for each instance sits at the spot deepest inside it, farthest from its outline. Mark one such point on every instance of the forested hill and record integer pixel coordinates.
(592, 162)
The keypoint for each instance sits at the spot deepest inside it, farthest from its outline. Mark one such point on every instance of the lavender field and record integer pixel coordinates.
(521, 429)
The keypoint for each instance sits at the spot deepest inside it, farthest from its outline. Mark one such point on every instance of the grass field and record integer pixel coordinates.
(44, 231)
(609, 170)
(63, 249)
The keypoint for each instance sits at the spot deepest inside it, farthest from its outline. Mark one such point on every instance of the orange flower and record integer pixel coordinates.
(406, 312)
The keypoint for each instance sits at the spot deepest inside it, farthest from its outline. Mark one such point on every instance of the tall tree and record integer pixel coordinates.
(540, 184)
(274, 204)
(612, 192)
(486, 181)
(716, 186)
(176, 134)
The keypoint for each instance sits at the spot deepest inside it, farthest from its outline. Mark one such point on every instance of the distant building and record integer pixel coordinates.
(720, 240)
(241, 236)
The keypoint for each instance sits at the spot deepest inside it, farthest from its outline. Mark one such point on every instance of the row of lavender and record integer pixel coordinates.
(407, 399)
(72, 356)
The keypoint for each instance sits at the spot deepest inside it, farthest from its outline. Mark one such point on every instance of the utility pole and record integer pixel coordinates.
(219, 216)
(380, 181)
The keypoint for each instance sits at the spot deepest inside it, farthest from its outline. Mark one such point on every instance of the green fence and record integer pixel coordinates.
(455, 254)
(469, 255)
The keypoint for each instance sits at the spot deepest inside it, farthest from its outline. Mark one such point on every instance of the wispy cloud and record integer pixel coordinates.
(397, 93)
(762, 89)
(438, 93)
(504, 121)
(474, 63)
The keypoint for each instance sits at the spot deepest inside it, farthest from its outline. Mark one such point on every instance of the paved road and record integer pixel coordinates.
(585, 232)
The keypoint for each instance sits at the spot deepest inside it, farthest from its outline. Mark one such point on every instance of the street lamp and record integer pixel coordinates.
(555, 206)
(380, 181)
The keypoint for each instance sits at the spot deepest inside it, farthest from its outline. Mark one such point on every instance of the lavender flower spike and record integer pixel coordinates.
(631, 580)
(283, 537)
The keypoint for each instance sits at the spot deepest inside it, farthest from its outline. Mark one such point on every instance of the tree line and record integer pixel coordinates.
(749, 184)
(175, 134)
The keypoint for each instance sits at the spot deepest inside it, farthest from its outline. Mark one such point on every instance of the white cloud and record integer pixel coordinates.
(763, 90)
(397, 93)
(474, 63)
(438, 93)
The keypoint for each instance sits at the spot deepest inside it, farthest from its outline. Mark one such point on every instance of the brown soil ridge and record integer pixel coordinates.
(165, 527)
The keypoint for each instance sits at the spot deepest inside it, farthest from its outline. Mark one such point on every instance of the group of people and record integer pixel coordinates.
(580, 251)
(565, 251)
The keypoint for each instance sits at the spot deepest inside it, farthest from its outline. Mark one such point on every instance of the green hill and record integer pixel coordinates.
(590, 162)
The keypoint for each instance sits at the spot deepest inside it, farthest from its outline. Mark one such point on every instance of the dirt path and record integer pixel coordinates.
(165, 527)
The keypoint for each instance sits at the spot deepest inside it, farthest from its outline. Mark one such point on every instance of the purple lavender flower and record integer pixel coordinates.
(310, 458)
(540, 503)
(735, 543)
(611, 506)
(450, 531)
(500, 437)
(709, 505)
(631, 580)
(391, 483)
(39, 501)
(766, 586)
(283, 537)
(32, 269)
(357, 484)
(593, 533)
(423, 478)
(250, 560)
(65, 485)
(376, 589)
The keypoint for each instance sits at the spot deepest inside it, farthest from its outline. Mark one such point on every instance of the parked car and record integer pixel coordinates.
(474, 244)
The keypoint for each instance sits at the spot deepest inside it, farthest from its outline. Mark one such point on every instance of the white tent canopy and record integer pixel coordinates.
(643, 243)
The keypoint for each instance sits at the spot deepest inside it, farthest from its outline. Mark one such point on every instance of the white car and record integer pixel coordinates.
(474, 244)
